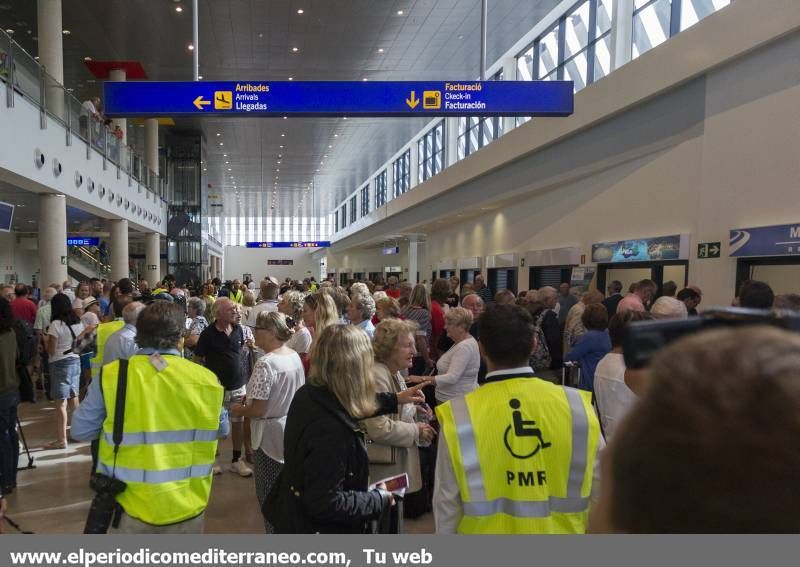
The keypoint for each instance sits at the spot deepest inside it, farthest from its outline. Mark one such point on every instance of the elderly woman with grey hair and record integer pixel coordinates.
(360, 311)
(196, 322)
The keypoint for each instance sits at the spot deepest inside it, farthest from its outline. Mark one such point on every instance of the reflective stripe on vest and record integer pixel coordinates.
(155, 477)
(169, 438)
(523, 452)
(153, 437)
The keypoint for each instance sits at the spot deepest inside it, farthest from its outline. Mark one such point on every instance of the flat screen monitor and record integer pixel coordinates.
(6, 215)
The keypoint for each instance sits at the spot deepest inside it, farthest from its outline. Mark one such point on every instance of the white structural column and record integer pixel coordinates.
(120, 75)
(509, 74)
(119, 249)
(151, 144)
(451, 140)
(414, 169)
(52, 239)
(413, 264)
(152, 258)
(51, 52)
(621, 33)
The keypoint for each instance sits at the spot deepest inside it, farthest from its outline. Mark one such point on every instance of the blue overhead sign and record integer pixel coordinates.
(780, 240)
(314, 244)
(89, 241)
(354, 98)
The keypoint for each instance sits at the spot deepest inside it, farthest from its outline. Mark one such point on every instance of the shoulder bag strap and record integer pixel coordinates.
(119, 407)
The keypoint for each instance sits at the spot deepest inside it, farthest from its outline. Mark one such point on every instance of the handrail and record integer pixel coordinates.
(25, 76)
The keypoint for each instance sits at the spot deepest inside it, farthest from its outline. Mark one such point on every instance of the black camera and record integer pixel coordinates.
(644, 339)
(104, 504)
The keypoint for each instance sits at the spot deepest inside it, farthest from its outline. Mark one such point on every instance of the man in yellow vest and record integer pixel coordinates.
(236, 293)
(105, 330)
(173, 417)
(517, 455)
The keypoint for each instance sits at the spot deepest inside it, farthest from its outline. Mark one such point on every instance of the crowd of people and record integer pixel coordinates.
(327, 391)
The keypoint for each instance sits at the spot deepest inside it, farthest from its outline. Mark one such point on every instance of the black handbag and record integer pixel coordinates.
(27, 393)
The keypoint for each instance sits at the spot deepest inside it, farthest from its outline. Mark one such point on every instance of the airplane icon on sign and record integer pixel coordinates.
(223, 100)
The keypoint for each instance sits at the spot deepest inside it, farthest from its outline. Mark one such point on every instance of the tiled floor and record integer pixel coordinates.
(54, 497)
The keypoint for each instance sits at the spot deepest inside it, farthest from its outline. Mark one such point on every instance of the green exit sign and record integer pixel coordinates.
(708, 250)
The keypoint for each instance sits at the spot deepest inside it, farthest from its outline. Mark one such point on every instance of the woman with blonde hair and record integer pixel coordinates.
(393, 439)
(324, 485)
(319, 312)
(457, 368)
(276, 377)
(291, 305)
(418, 310)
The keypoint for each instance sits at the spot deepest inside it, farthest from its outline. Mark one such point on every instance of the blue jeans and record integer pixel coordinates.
(9, 441)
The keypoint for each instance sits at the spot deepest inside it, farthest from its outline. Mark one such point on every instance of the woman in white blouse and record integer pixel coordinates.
(457, 369)
(393, 439)
(276, 377)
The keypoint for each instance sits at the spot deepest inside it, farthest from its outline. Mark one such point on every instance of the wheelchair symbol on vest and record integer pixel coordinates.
(523, 428)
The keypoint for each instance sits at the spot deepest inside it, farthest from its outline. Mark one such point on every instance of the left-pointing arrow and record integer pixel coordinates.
(200, 103)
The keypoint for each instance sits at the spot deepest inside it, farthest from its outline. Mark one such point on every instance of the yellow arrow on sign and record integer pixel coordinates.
(200, 103)
(413, 101)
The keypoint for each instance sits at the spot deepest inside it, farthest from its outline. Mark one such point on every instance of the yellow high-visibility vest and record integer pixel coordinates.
(104, 330)
(169, 439)
(523, 451)
(237, 296)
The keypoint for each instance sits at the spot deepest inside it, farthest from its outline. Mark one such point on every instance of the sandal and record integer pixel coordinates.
(53, 445)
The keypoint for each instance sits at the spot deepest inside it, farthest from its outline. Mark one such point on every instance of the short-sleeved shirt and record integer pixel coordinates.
(64, 339)
(276, 377)
(223, 355)
(24, 309)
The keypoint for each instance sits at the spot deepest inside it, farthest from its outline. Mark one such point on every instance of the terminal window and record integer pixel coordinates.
(401, 174)
(365, 200)
(353, 211)
(430, 151)
(380, 189)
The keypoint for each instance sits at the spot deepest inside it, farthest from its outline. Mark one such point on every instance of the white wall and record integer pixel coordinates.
(19, 256)
(712, 154)
(239, 260)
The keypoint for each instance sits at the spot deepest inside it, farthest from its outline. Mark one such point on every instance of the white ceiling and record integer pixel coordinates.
(253, 39)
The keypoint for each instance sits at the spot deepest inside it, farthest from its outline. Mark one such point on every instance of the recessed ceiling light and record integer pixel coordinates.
(260, 35)
(66, 32)
(224, 155)
(199, 77)
(336, 135)
(330, 147)
(285, 117)
(179, 9)
(291, 78)
(400, 12)
(190, 47)
(295, 49)
(283, 135)
(364, 79)
(281, 147)
(218, 134)
(87, 58)
(227, 162)
(380, 50)
(344, 118)
(300, 11)
(220, 144)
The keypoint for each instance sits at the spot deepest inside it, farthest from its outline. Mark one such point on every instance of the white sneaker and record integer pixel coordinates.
(216, 469)
(241, 468)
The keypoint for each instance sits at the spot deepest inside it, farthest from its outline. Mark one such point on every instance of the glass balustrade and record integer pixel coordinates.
(21, 75)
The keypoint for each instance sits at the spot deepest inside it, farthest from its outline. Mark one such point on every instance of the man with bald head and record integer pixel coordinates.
(219, 349)
(121, 345)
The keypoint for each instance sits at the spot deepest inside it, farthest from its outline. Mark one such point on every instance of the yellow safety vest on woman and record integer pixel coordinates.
(237, 296)
(523, 451)
(169, 438)
(104, 330)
